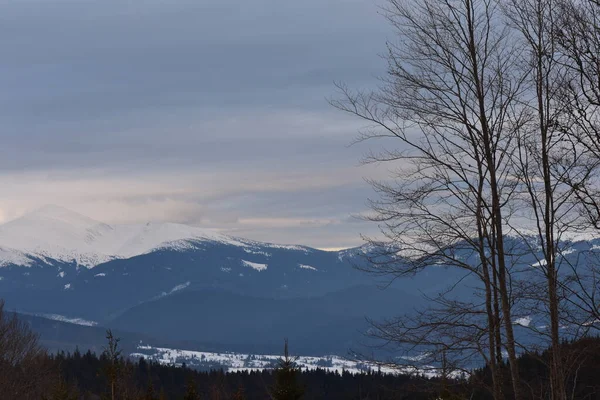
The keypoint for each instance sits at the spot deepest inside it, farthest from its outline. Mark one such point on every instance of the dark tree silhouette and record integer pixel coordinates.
(24, 369)
(191, 393)
(112, 353)
(286, 385)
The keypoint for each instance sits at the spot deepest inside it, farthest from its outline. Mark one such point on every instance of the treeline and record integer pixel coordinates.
(28, 372)
(74, 376)
(112, 376)
(83, 377)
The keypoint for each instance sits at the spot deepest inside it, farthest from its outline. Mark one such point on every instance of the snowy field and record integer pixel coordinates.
(233, 362)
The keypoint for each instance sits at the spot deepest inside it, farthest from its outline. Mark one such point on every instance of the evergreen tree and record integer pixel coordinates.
(112, 354)
(240, 394)
(190, 391)
(61, 391)
(286, 385)
(162, 395)
(150, 394)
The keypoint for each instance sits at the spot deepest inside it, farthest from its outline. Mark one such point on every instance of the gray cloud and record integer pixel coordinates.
(209, 112)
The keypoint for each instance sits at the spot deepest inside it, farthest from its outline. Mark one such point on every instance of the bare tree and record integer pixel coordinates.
(448, 102)
(578, 38)
(546, 160)
(24, 367)
(577, 33)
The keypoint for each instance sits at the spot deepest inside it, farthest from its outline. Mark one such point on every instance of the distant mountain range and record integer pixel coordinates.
(55, 233)
(182, 285)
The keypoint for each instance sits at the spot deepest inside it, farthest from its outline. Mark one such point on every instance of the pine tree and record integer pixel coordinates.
(61, 391)
(240, 394)
(112, 353)
(286, 386)
(150, 394)
(190, 391)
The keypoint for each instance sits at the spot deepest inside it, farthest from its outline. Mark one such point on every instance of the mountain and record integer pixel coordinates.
(333, 323)
(58, 264)
(177, 283)
(53, 232)
(57, 335)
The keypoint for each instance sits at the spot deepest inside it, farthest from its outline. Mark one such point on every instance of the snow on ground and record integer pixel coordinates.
(566, 252)
(256, 266)
(57, 233)
(174, 290)
(54, 232)
(286, 247)
(152, 236)
(180, 287)
(177, 245)
(247, 362)
(13, 257)
(540, 263)
(523, 321)
(62, 318)
(253, 243)
(262, 253)
(76, 321)
(307, 267)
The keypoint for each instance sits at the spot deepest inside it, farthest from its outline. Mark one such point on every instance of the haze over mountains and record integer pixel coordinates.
(58, 233)
(186, 287)
(182, 283)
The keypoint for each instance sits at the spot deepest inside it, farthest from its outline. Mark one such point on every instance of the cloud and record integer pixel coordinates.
(210, 113)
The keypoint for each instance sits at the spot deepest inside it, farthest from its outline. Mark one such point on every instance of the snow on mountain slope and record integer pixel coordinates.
(143, 238)
(11, 256)
(256, 266)
(57, 233)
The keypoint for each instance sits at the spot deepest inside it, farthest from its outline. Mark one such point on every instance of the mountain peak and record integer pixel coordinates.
(59, 233)
(56, 232)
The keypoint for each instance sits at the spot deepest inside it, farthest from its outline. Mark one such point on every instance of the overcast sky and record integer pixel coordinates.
(206, 112)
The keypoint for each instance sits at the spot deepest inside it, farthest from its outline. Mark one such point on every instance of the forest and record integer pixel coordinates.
(29, 372)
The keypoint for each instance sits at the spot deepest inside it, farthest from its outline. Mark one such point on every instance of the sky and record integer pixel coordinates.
(211, 113)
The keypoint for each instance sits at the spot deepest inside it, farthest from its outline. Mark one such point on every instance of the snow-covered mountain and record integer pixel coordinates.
(138, 275)
(56, 233)
(182, 283)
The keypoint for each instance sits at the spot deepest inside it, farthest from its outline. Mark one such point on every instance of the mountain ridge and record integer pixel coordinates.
(54, 232)
(188, 284)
